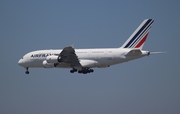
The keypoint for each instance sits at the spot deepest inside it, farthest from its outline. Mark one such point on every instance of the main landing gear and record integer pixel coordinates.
(83, 71)
(27, 72)
(73, 70)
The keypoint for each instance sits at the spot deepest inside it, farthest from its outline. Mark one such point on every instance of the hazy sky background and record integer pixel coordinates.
(150, 85)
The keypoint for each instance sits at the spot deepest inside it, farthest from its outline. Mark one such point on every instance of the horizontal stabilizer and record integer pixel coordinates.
(134, 52)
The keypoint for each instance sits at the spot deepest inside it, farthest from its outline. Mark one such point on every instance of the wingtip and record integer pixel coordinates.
(72, 45)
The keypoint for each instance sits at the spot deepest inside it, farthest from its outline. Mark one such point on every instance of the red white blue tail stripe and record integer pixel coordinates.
(138, 38)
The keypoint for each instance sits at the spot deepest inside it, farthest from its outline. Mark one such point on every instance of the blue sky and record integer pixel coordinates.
(149, 85)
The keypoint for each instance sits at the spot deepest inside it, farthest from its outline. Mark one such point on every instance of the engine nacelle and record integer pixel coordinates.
(88, 63)
(52, 59)
(47, 65)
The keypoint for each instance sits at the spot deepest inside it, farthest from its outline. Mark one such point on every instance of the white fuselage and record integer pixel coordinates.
(104, 57)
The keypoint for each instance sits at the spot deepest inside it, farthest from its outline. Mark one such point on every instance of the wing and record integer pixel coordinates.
(68, 56)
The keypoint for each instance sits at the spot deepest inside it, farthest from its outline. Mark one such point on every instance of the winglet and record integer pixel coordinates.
(139, 36)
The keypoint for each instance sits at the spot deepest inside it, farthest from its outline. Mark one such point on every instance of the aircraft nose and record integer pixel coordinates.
(20, 62)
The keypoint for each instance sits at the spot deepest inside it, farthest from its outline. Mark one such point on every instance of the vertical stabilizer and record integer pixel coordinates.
(139, 36)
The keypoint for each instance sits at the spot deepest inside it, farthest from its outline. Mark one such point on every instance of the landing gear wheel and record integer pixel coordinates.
(55, 64)
(85, 71)
(27, 72)
(91, 70)
(71, 71)
(75, 70)
(80, 71)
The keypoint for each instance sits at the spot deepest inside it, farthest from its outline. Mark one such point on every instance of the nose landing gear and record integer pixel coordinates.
(27, 72)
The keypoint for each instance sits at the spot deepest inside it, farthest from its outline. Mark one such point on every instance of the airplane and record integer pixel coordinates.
(84, 60)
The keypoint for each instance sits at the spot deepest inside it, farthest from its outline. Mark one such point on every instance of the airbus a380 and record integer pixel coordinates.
(83, 60)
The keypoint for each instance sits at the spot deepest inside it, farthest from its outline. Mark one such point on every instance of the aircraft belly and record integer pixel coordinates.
(35, 63)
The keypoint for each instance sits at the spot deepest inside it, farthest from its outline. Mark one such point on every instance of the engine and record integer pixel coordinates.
(52, 59)
(47, 65)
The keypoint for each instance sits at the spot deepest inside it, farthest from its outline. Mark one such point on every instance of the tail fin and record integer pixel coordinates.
(138, 38)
